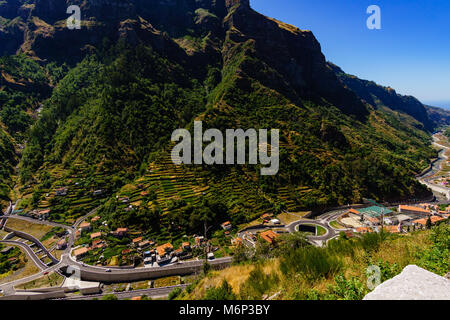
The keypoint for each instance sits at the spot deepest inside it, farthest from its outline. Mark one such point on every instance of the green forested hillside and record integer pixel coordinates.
(107, 122)
(113, 116)
(8, 160)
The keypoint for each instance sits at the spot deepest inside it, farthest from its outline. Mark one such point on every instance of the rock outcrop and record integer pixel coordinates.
(413, 283)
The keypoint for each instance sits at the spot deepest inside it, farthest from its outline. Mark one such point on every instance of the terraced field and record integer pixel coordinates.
(79, 200)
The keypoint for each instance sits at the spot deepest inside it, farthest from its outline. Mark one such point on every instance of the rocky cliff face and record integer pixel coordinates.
(378, 96)
(295, 54)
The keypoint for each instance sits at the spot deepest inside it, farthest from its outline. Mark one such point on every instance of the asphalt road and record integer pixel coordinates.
(29, 252)
(152, 292)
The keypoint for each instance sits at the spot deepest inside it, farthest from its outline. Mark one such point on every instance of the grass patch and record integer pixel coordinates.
(48, 281)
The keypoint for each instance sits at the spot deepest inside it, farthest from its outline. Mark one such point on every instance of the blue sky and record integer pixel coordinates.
(411, 52)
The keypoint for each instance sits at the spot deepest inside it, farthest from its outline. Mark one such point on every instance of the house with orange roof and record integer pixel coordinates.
(199, 240)
(79, 253)
(270, 236)
(144, 244)
(164, 249)
(226, 225)
(137, 240)
(423, 222)
(372, 220)
(61, 245)
(120, 232)
(420, 222)
(186, 246)
(95, 219)
(413, 210)
(236, 242)
(84, 227)
(96, 235)
(364, 230)
(392, 229)
(435, 219)
(354, 211)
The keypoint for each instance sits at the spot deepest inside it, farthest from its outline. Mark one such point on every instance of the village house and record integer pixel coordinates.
(95, 219)
(421, 223)
(363, 230)
(186, 246)
(97, 192)
(124, 199)
(40, 214)
(61, 191)
(236, 242)
(226, 225)
(98, 244)
(179, 252)
(163, 253)
(85, 227)
(416, 211)
(275, 221)
(164, 249)
(270, 236)
(136, 241)
(80, 253)
(145, 244)
(96, 235)
(393, 229)
(199, 240)
(120, 232)
(61, 245)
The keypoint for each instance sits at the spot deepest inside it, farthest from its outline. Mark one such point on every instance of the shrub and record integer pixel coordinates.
(175, 293)
(312, 262)
(223, 292)
(257, 284)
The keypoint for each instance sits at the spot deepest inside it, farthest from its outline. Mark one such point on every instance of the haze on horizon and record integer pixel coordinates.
(410, 53)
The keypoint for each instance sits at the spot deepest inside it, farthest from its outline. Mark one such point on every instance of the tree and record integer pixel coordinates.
(175, 293)
(428, 224)
(224, 292)
(293, 241)
(206, 267)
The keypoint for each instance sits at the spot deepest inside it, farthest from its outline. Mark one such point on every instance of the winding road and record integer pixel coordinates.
(436, 166)
(117, 274)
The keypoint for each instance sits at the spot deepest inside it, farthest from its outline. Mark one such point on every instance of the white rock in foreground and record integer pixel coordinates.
(413, 283)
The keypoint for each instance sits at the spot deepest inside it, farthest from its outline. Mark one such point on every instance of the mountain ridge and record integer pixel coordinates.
(108, 121)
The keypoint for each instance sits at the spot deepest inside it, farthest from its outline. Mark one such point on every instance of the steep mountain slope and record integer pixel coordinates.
(378, 96)
(440, 116)
(144, 73)
(8, 160)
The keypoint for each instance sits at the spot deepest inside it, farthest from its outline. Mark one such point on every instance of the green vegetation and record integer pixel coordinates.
(24, 83)
(297, 270)
(11, 260)
(223, 292)
(320, 231)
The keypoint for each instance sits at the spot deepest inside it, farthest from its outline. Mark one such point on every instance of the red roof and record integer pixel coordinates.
(269, 236)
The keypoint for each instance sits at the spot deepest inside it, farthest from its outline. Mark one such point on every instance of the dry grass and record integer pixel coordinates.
(235, 276)
(287, 218)
(48, 281)
(399, 250)
(35, 229)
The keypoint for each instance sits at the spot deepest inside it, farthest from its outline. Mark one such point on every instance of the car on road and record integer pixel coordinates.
(45, 273)
(108, 270)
